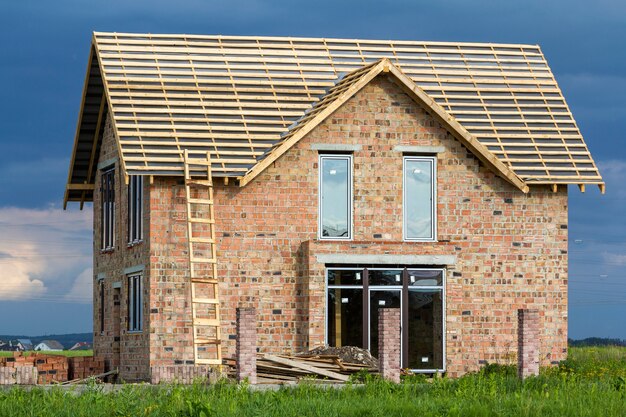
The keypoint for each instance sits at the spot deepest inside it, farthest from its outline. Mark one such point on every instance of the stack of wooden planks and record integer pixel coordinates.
(286, 369)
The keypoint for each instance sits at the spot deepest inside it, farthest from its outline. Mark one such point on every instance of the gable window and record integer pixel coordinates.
(335, 198)
(419, 198)
(135, 209)
(107, 192)
(135, 303)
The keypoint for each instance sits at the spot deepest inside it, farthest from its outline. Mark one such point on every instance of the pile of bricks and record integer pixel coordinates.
(81, 367)
(50, 368)
(22, 375)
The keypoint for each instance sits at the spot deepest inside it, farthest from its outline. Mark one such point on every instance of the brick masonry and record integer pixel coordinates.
(245, 352)
(529, 341)
(181, 374)
(510, 247)
(81, 367)
(389, 343)
(21, 375)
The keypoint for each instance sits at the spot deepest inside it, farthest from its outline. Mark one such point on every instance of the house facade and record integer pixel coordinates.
(376, 194)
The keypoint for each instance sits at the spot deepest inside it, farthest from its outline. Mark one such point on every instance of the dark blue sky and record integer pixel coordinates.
(43, 55)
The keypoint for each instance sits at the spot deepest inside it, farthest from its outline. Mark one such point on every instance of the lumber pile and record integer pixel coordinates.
(285, 369)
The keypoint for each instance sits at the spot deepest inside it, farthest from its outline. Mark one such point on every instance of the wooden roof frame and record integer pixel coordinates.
(243, 98)
(358, 80)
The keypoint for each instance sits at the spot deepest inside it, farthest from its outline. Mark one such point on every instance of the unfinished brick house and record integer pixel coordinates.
(318, 180)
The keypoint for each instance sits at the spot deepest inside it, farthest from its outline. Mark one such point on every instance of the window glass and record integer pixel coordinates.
(419, 207)
(345, 277)
(135, 209)
(107, 212)
(335, 198)
(345, 317)
(385, 277)
(425, 278)
(135, 312)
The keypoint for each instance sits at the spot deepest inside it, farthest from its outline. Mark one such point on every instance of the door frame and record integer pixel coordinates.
(404, 295)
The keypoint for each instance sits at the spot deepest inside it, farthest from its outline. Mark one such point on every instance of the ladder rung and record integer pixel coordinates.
(201, 220)
(204, 281)
(206, 322)
(206, 301)
(203, 260)
(208, 361)
(200, 201)
(205, 183)
(202, 240)
(208, 342)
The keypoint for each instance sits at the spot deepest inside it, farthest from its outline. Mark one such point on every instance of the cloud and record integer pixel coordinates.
(44, 254)
(615, 259)
(82, 287)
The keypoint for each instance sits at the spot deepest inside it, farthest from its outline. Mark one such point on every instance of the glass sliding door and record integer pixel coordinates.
(354, 296)
(424, 321)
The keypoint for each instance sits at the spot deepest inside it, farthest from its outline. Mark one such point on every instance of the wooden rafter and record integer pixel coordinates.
(241, 95)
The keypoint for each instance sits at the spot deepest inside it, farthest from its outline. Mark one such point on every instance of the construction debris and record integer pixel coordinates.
(327, 368)
(351, 354)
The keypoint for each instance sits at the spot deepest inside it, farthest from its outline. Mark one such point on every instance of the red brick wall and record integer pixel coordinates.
(511, 248)
(121, 349)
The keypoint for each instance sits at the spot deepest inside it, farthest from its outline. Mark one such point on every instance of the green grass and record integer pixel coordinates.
(68, 353)
(568, 390)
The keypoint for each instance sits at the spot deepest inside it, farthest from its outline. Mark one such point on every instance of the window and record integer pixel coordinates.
(419, 198)
(135, 209)
(107, 191)
(101, 290)
(355, 295)
(335, 197)
(135, 303)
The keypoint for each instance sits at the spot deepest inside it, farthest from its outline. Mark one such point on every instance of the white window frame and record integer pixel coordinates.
(135, 209)
(349, 158)
(135, 303)
(433, 196)
(107, 209)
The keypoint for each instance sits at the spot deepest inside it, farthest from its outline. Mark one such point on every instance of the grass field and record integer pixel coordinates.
(63, 352)
(592, 382)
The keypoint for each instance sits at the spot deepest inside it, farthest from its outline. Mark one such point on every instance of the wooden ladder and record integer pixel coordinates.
(205, 302)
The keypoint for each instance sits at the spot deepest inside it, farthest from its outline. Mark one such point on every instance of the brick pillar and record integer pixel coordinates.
(389, 343)
(528, 341)
(246, 344)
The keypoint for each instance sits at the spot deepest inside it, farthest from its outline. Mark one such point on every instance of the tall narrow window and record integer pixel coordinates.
(101, 289)
(135, 209)
(135, 303)
(335, 197)
(107, 191)
(419, 198)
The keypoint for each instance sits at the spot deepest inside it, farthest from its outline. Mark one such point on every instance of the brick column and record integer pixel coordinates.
(528, 342)
(245, 353)
(389, 343)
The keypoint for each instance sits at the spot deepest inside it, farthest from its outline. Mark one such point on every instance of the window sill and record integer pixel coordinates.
(107, 250)
(134, 243)
(134, 332)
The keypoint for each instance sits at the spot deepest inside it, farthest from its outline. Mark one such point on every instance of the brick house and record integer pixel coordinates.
(347, 175)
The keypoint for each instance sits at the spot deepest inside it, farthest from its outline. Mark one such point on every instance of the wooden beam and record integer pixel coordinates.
(602, 188)
(581, 187)
(80, 187)
(309, 368)
(94, 145)
(555, 188)
(154, 90)
(78, 124)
